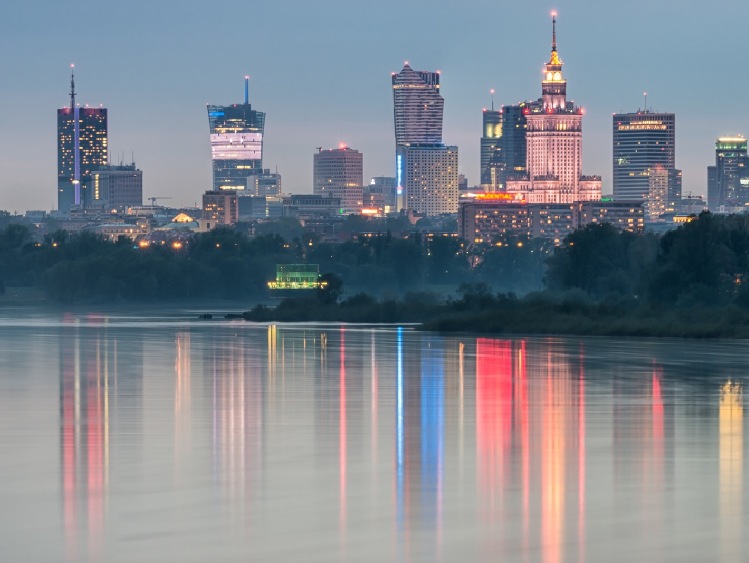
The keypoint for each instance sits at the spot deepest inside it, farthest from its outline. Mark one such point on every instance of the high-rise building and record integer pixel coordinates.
(490, 143)
(265, 183)
(418, 106)
(236, 143)
(643, 140)
(554, 144)
(728, 180)
(81, 147)
(116, 187)
(339, 173)
(426, 169)
(504, 155)
(428, 174)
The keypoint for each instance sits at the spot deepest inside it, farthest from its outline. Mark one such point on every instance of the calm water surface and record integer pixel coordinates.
(156, 437)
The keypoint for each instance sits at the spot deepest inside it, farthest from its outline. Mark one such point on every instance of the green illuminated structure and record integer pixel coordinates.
(296, 276)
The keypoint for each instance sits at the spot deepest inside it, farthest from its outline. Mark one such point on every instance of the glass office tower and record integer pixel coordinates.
(236, 143)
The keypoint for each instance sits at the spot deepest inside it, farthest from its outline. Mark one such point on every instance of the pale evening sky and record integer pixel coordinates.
(321, 72)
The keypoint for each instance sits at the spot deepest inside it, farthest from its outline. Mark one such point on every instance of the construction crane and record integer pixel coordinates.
(153, 200)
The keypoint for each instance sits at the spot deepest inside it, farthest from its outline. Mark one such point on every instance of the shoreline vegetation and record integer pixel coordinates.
(543, 313)
(692, 281)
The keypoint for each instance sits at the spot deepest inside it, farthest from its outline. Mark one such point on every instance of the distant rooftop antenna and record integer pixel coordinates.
(72, 86)
(646, 101)
(492, 93)
(247, 89)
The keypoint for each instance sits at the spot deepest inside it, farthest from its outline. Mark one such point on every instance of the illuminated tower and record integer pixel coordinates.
(554, 140)
(236, 143)
(728, 180)
(81, 147)
(643, 140)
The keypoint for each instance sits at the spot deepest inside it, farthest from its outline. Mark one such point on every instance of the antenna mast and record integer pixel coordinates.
(247, 89)
(72, 86)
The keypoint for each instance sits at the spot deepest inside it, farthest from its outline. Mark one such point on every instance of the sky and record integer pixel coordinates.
(321, 72)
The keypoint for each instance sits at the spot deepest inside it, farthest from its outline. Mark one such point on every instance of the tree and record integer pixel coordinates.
(330, 289)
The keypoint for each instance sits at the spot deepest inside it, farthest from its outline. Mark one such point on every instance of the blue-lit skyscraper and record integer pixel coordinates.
(236, 143)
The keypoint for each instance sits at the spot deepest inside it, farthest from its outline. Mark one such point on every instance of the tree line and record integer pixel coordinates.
(704, 262)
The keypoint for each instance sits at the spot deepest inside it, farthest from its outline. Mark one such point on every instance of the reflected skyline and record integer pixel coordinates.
(363, 440)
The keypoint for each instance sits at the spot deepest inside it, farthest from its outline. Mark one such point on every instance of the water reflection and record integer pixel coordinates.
(99, 390)
(235, 376)
(342, 443)
(731, 414)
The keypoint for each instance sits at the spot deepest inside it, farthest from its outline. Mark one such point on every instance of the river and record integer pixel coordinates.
(154, 436)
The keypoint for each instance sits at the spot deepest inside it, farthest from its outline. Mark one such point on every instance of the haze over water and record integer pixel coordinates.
(156, 437)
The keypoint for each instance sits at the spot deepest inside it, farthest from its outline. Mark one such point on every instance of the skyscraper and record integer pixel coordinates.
(507, 149)
(236, 143)
(554, 139)
(418, 106)
(643, 140)
(728, 180)
(339, 173)
(424, 165)
(490, 144)
(81, 147)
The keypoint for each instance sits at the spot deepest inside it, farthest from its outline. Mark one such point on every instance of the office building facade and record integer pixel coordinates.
(503, 146)
(491, 125)
(428, 175)
(339, 173)
(221, 206)
(643, 141)
(265, 183)
(494, 217)
(554, 144)
(236, 133)
(116, 187)
(82, 145)
(381, 189)
(418, 106)
(728, 180)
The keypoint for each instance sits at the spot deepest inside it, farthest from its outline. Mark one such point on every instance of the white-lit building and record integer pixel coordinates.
(428, 175)
(554, 141)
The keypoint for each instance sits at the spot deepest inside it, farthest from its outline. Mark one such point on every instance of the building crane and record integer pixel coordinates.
(153, 200)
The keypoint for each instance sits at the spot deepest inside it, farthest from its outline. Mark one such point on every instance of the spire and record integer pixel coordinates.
(246, 89)
(553, 31)
(72, 86)
(554, 55)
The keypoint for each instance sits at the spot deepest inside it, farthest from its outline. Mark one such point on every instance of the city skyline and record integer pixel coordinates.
(157, 91)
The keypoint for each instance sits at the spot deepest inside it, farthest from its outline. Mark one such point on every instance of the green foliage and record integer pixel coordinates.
(517, 266)
(330, 290)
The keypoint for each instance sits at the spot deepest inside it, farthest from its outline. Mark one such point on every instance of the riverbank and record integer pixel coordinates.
(541, 313)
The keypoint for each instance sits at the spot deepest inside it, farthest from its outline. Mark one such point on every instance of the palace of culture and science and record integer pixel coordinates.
(554, 140)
